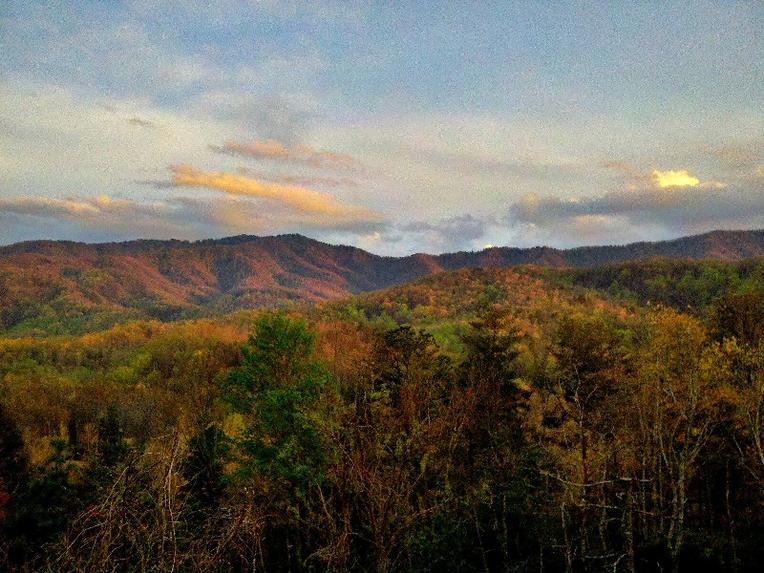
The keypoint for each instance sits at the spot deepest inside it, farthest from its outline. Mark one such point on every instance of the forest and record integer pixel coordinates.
(600, 419)
(337, 286)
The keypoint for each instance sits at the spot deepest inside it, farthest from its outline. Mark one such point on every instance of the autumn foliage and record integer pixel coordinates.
(476, 420)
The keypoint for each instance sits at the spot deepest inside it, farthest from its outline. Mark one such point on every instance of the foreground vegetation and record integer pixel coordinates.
(472, 421)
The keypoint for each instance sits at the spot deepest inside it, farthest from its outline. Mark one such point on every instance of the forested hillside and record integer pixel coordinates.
(683, 284)
(475, 420)
(55, 287)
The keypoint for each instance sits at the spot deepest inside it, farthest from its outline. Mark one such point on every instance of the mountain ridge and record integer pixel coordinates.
(96, 284)
(132, 245)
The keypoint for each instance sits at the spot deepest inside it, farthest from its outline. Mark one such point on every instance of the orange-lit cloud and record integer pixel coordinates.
(45, 206)
(101, 210)
(301, 180)
(679, 178)
(303, 154)
(183, 217)
(299, 198)
(315, 180)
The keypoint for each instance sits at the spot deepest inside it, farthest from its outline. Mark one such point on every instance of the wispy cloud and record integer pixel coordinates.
(174, 217)
(303, 180)
(739, 156)
(76, 208)
(299, 154)
(316, 180)
(298, 198)
(140, 122)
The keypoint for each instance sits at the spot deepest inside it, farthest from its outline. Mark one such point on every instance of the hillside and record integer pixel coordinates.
(684, 284)
(516, 393)
(58, 287)
(446, 304)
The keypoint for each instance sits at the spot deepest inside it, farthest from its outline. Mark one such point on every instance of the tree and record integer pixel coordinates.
(13, 459)
(739, 315)
(400, 438)
(112, 446)
(681, 399)
(576, 424)
(286, 399)
(203, 467)
(499, 491)
(278, 387)
(45, 507)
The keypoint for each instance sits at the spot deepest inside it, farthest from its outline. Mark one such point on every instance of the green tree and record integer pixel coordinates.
(278, 388)
(112, 447)
(46, 507)
(13, 460)
(203, 467)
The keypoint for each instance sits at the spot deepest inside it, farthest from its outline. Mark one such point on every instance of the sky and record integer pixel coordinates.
(396, 127)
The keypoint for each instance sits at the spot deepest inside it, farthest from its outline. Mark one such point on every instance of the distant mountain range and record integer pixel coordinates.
(97, 284)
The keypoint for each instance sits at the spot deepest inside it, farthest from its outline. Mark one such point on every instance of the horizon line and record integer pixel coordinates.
(303, 236)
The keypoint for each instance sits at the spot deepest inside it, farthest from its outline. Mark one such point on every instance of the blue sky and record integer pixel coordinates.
(396, 127)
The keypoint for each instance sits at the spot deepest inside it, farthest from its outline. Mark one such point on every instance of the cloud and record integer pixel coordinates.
(315, 180)
(300, 154)
(679, 178)
(468, 163)
(657, 178)
(449, 233)
(258, 149)
(303, 180)
(79, 217)
(76, 208)
(650, 211)
(287, 116)
(108, 218)
(46, 207)
(300, 199)
(649, 206)
(463, 227)
(741, 157)
(140, 122)
(624, 167)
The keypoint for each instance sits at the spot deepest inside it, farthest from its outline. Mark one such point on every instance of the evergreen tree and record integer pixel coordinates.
(13, 459)
(203, 467)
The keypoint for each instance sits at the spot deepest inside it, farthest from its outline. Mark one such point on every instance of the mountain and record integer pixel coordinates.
(60, 286)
